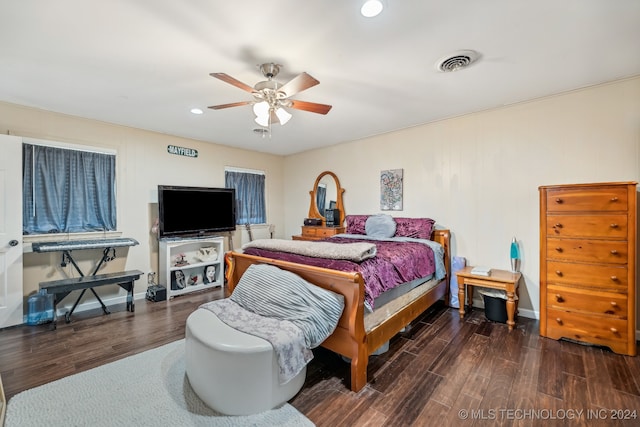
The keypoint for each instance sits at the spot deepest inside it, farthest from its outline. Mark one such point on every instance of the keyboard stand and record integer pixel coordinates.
(66, 257)
(108, 254)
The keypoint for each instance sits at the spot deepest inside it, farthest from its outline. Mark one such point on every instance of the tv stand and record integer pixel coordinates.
(183, 264)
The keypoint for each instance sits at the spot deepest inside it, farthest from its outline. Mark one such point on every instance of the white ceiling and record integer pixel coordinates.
(146, 63)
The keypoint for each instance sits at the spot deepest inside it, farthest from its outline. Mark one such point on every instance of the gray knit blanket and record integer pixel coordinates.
(356, 252)
(286, 339)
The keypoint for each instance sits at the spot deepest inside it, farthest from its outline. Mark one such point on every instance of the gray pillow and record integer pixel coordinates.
(271, 292)
(380, 225)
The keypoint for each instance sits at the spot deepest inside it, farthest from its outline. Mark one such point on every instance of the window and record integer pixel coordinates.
(67, 190)
(250, 199)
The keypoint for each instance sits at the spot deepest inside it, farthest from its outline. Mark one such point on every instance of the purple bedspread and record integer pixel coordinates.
(395, 263)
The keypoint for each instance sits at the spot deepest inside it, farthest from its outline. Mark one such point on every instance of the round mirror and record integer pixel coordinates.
(326, 194)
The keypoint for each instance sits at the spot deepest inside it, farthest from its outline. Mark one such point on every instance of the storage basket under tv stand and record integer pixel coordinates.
(170, 251)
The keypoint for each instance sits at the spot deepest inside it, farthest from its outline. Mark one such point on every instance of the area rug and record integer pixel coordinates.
(147, 389)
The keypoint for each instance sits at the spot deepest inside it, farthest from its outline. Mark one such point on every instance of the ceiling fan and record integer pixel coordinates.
(270, 98)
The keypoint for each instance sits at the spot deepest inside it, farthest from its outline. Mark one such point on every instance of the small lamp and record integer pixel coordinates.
(515, 256)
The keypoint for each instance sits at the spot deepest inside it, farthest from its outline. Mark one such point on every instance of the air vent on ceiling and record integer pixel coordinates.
(457, 60)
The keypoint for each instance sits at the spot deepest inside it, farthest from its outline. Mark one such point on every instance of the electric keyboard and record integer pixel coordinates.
(69, 245)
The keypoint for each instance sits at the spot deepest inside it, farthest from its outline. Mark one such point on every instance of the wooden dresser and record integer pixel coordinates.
(313, 232)
(587, 264)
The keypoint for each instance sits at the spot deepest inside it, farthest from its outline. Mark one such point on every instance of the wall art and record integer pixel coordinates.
(391, 190)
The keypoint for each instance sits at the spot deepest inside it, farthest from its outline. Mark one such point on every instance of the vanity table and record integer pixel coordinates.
(325, 190)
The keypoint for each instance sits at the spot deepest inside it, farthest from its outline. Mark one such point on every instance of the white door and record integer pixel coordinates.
(11, 293)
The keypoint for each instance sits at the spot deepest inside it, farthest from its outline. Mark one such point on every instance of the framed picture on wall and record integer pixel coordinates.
(391, 190)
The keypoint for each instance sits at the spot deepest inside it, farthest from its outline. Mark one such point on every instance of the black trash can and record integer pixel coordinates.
(495, 309)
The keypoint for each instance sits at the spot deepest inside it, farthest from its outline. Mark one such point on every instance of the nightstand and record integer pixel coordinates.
(499, 279)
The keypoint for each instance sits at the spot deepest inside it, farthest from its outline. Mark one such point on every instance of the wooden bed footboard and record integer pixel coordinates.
(350, 338)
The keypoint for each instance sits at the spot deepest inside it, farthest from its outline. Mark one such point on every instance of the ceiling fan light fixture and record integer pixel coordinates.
(269, 96)
(371, 8)
(283, 116)
(261, 108)
(262, 120)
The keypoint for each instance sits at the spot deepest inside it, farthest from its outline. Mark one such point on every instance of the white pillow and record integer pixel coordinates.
(380, 225)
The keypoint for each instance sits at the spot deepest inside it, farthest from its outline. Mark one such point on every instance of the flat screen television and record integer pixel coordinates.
(195, 211)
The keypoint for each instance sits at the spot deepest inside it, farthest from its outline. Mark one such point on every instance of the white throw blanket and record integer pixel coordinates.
(357, 252)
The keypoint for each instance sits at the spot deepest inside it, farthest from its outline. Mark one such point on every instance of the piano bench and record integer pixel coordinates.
(62, 288)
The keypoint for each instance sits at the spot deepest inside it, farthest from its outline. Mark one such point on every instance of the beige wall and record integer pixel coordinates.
(479, 174)
(142, 164)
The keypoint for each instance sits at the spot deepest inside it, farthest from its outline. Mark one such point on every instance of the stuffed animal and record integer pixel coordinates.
(208, 253)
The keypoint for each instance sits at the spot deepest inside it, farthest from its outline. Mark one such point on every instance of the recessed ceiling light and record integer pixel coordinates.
(196, 111)
(371, 8)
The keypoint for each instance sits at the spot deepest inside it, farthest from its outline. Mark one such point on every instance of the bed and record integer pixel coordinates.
(359, 333)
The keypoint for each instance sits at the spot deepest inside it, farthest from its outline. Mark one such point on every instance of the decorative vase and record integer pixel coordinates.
(515, 256)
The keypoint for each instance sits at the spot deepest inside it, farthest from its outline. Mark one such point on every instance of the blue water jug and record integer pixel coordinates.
(457, 264)
(39, 308)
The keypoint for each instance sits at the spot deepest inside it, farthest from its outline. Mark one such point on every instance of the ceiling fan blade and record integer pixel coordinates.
(233, 104)
(310, 106)
(299, 83)
(237, 83)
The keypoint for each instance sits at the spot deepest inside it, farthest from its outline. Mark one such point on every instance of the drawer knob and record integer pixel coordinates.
(559, 273)
(614, 199)
(614, 225)
(559, 320)
(558, 225)
(559, 298)
(614, 252)
(614, 330)
(614, 278)
(558, 200)
(559, 249)
(614, 304)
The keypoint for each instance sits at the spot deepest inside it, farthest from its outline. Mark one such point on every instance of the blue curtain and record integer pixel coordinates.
(321, 196)
(67, 191)
(250, 201)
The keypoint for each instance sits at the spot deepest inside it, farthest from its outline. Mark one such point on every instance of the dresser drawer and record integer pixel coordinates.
(601, 330)
(587, 301)
(309, 231)
(326, 232)
(590, 199)
(599, 251)
(588, 275)
(321, 232)
(598, 226)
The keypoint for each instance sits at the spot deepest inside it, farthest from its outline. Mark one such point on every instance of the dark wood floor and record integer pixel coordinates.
(443, 372)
